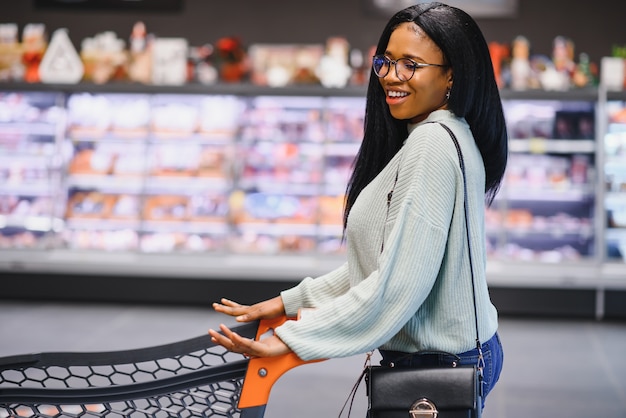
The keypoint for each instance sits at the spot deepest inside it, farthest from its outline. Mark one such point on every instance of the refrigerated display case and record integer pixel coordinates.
(31, 125)
(546, 205)
(614, 184)
(233, 182)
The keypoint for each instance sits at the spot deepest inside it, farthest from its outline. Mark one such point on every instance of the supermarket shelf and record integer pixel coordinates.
(197, 266)
(577, 289)
(582, 94)
(248, 89)
(567, 275)
(584, 274)
(238, 89)
(544, 146)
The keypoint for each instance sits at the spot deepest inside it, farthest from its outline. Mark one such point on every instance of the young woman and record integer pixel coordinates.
(406, 285)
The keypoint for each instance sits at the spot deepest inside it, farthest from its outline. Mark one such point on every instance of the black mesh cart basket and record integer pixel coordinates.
(191, 378)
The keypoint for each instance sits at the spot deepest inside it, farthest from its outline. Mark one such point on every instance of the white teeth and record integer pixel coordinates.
(397, 94)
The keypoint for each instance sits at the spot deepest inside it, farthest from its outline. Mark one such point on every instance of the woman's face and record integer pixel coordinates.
(425, 92)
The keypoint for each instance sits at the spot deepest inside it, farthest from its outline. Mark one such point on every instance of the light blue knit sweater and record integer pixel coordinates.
(416, 294)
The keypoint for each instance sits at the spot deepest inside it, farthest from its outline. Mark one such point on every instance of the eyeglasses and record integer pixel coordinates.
(405, 67)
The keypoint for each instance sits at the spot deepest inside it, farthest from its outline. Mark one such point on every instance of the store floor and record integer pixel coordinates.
(553, 367)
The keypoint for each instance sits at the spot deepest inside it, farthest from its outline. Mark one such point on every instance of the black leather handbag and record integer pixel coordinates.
(434, 392)
(450, 391)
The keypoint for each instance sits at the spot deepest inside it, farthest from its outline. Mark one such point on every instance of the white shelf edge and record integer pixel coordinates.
(199, 266)
(585, 274)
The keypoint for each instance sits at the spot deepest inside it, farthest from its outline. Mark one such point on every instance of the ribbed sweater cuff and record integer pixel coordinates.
(292, 300)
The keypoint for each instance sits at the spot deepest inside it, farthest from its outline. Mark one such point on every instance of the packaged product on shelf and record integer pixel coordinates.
(130, 115)
(279, 209)
(201, 68)
(499, 53)
(129, 160)
(107, 158)
(163, 242)
(88, 115)
(208, 207)
(140, 54)
(89, 204)
(563, 55)
(586, 72)
(87, 161)
(61, 63)
(516, 68)
(330, 244)
(281, 65)
(520, 64)
(126, 206)
(231, 59)
(284, 119)
(11, 67)
(174, 118)
(612, 73)
(574, 124)
(187, 160)
(337, 170)
(174, 160)
(19, 239)
(220, 115)
(166, 208)
(360, 64)
(295, 243)
(34, 44)
(23, 206)
(331, 210)
(104, 57)
(334, 70)
(344, 120)
(169, 61)
(123, 239)
(212, 162)
(271, 222)
(267, 163)
(97, 115)
(254, 242)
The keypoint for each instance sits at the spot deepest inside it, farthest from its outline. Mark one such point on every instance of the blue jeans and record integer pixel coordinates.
(492, 354)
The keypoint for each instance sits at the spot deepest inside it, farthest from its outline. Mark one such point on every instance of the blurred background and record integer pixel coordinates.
(157, 155)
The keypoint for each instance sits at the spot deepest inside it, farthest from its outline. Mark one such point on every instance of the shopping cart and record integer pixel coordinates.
(191, 378)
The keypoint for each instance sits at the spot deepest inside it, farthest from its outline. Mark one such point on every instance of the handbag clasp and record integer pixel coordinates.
(423, 408)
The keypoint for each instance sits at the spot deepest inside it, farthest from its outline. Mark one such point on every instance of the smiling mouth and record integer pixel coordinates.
(397, 94)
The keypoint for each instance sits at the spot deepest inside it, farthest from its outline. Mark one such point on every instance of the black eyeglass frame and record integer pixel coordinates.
(388, 61)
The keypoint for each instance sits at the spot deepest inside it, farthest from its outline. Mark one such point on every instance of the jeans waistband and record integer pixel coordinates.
(430, 358)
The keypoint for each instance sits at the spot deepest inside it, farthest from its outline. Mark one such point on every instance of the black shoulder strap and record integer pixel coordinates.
(467, 233)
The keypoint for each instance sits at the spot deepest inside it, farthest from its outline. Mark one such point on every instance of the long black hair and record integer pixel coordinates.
(474, 95)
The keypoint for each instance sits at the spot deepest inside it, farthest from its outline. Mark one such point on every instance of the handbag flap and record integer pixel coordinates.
(399, 388)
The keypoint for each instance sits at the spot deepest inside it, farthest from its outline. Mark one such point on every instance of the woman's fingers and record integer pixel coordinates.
(231, 308)
(268, 309)
(230, 303)
(230, 340)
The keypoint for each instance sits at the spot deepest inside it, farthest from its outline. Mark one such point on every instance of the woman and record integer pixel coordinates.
(406, 285)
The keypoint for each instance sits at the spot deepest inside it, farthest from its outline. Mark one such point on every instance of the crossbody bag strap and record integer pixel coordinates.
(481, 361)
(467, 232)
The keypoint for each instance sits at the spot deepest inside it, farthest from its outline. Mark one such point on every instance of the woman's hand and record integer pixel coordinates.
(268, 309)
(267, 347)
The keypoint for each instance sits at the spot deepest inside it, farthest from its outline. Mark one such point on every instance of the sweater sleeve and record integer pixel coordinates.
(373, 311)
(311, 293)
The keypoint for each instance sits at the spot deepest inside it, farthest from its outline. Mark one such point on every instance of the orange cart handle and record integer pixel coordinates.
(263, 372)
